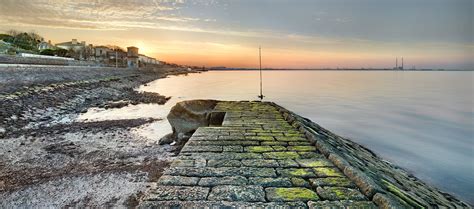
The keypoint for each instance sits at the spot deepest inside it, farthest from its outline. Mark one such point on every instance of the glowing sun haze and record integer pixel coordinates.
(292, 33)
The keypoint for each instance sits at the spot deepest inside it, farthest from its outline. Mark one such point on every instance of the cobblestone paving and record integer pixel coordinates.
(254, 159)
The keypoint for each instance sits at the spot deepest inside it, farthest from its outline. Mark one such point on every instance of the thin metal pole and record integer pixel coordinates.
(260, 58)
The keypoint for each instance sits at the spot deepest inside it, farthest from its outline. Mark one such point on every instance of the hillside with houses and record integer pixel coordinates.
(31, 48)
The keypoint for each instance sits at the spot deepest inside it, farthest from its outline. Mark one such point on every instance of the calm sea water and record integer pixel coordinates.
(422, 121)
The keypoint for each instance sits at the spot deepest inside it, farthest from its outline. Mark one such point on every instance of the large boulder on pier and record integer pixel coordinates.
(185, 117)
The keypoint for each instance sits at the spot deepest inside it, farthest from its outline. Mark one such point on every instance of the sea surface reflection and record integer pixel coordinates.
(421, 121)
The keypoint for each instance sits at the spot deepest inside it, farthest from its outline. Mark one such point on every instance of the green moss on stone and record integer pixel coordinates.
(287, 163)
(302, 148)
(401, 194)
(293, 194)
(289, 138)
(327, 172)
(299, 143)
(296, 172)
(299, 182)
(294, 135)
(260, 138)
(299, 172)
(259, 149)
(340, 193)
(332, 181)
(279, 148)
(257, 131)
(314, 162)
(307, 155)
(273, 143)
(281, 155)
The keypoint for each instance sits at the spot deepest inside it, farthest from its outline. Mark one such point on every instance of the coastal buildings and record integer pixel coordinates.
(100, 52)
(103, 55)
(78, 50)
(132, 57)
(45, 45)
(72, 45)
(145, 60)
(120, 55)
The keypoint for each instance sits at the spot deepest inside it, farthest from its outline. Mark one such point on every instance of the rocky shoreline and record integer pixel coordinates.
(49, 158)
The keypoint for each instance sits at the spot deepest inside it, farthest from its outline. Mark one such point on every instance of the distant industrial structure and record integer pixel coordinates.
(396, 64)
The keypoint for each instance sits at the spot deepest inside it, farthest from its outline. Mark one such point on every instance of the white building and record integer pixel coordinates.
(100, 52)
(74, 45)
(81, 50)
(45, 45)
(147, 60)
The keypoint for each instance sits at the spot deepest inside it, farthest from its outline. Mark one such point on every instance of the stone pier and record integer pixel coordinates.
(262, 156)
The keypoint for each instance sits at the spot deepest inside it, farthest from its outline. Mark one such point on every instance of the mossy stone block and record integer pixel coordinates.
(260, 138)
(290, 194)
(340, 193)
(274, 143)
(302, 148)
(279, 148)
(270, 182)
(307, 155)
(328, 172)
(260, 163)
(299, 182)
(281, 155)
(314, 162)
(258, 149)
(332, 181)
(288, 163)
(295, 172)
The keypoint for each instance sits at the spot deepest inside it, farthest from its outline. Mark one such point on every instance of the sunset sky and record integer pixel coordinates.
(292, 33)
